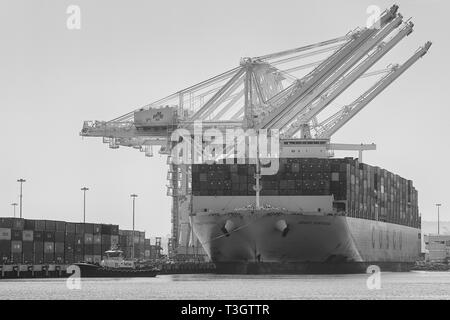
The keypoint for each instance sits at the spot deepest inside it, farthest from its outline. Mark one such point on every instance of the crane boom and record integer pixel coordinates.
(343, 83)
(297, 105)
(334, 123)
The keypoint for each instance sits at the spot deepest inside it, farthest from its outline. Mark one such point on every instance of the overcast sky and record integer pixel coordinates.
(130, 53)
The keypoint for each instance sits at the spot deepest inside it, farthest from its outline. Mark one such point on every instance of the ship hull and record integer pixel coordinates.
(268, 241)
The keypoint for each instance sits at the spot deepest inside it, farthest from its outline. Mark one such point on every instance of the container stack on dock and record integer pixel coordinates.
(359, 190)
(24, 241)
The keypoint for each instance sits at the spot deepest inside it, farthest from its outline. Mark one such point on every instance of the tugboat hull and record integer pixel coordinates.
(93, 271)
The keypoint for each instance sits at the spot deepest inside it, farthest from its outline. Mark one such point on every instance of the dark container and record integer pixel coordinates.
(16, 257)
(49, 236)
(89, 228)
(50, 225)
(18, 223)
(106, 239)
(39, 225)
(5, 251)
(60, 226)
(59, 247)
(38, 252)
(38, 236)
(12, 223)
(97, 229)
(70, 237)
(27, 248)
(114, 230)
(79, 228)
(79, 250)
(97, 249)
(6, 223)
(106, 229)
(88, 249)
(29, 224)
(49, 258)
(16, 234)
(70, 227)
(59, 236)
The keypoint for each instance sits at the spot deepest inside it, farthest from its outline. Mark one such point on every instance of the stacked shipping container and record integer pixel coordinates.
(54, 242)
(360, 190)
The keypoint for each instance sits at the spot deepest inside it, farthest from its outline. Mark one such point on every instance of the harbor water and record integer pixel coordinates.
(392, 285)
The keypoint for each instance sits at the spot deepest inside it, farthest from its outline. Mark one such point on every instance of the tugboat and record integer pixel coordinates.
(115, 266)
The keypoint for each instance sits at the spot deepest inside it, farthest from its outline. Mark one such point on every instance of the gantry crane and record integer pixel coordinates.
(288, 91)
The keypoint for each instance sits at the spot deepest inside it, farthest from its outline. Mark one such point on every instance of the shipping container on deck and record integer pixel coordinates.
(98, 249)
(49, 258)
(59, 247)
(88, 249)
(17, 257)
(16, 235)
(89, 228)
(88, 239)
(5, 251)
(114, 240)
(16, 251)
(60, 226)
(50, 225)
(49, 247)
(106, 229)
(97, 239)
(39, 225)
(60, 236)
(97, 229)
(79, 239)
(27, 248)
(49, 236)
(70, 227)
(27, 235)
(7, 223)
(59, 257)
(29, 224)
(38, 251)
(69, 257)
(79, 228)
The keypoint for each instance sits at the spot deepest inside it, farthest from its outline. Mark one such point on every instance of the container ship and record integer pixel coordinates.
(316, 213)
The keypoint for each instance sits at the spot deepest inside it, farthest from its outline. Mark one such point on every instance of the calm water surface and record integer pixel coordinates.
(411, 285)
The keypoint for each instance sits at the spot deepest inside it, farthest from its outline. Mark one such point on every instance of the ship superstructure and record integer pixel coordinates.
(289, 98)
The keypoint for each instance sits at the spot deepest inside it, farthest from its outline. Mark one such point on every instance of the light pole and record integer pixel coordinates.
(134, 200)
(84, 189)
(21, 181)
(438, 205)
(14, 205)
